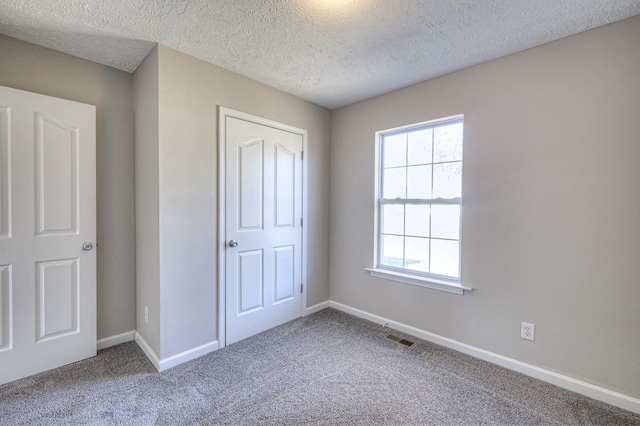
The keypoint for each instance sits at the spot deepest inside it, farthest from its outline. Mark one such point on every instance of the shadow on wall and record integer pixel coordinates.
(118, 52)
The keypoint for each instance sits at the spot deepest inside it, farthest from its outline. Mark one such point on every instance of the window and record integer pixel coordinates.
(419, 197)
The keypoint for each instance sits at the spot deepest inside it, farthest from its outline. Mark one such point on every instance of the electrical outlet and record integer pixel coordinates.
(146, 315)
(528, 331)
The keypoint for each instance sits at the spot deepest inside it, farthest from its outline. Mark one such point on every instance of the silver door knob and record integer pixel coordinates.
(233, 243)
(87, 246)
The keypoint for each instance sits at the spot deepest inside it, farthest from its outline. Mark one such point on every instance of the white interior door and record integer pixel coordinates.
(47, 213)
(263, 260)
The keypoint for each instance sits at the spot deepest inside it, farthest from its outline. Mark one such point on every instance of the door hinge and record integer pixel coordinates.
(301, 288)
(302, 155)
(301, 222)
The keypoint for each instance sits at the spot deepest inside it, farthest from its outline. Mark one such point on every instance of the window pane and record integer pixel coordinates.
(392, 251)
(447, 180)
(395, 150)
(422, 164)
(417, 220)
(445, 222)
(447, 143)
(417, 254)
(395, 183)
(419, 182)
(419, 147)
(393, 219)
(445, 257)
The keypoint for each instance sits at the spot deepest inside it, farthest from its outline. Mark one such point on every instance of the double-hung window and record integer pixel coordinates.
(419, 199)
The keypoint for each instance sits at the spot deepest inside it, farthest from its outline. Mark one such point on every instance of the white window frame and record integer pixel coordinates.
(428, 280)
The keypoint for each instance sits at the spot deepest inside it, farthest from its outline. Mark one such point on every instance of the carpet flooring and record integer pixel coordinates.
(327, 368)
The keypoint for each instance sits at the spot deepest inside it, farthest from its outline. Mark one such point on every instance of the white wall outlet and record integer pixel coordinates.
(146, 315)
(528, 331)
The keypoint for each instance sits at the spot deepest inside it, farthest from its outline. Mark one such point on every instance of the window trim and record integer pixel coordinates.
(428, 280)
(420, 281)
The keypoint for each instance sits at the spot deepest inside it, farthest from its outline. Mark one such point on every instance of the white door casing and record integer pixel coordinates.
(47, 213)
(261, 208)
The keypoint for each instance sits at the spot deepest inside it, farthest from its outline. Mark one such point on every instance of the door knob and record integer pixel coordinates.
(233, 243)
(86, 246)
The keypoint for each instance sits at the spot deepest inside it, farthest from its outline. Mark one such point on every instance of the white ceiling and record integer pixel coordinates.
(330, 52)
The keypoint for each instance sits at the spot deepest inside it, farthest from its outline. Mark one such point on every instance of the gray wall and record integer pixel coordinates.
(146, 105)
(190, 92)
(36, 69)
(550, 210)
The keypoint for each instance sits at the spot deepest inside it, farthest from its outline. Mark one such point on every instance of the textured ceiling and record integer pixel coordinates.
(330, 52)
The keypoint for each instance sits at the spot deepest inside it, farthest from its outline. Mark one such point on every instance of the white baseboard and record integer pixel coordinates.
(581, 387)
(107, 342)
(317, 308)
(185, 356)
(175, 360)
(148, 351)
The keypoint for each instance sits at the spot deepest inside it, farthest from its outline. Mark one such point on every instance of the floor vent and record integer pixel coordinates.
(399, 340)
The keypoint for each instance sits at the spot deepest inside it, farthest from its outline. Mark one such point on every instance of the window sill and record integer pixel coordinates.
(432, 283)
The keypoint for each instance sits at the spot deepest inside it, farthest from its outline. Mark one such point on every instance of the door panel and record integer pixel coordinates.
(285, 186)
(57, 298)
(263, 199)
(251, 183)
(250, 283)
(5, 174)
(47, 211)
(56, 171)
(285, 272)
(5, 307)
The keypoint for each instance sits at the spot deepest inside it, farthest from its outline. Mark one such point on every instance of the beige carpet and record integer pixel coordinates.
(328, 368)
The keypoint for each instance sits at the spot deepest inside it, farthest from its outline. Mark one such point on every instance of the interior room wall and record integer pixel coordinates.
(147, 116)
(36, 69)
(551, 201)
(190, 92)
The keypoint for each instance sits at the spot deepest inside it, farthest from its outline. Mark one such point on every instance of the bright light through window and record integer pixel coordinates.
(419, 200)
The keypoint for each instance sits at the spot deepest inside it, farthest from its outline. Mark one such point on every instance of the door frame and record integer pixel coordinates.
(223, 113)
